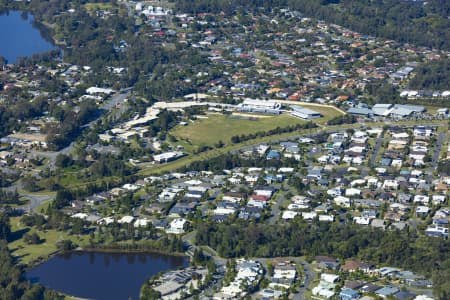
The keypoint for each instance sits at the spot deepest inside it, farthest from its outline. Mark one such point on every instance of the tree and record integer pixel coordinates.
(62, 199)
(5, 227)
(63, 161)
(148, 293)
(30, 184)
(32, 239)
(14, 284)
(66, 245)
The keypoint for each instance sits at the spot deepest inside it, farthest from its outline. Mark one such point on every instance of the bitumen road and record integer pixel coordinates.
(376, 148)
(437, 150)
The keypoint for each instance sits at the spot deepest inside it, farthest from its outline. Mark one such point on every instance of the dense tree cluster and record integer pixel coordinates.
(229, 161)
(6, 179)
(19, 108)
(8, 197)
(434, 75)
(14, 286)
(444, 167)
(108, 165)
(60, 135)
(165, 244)
(242, 138)
(5, 227)
(344, 119)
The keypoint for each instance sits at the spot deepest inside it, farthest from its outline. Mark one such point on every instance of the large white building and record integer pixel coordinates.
(260, 106)
(304, 113)
(167, 156)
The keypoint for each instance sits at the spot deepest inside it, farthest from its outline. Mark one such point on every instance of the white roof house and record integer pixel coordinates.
(390, 184)
(261, 192)
(224, 211)
(396, 163)
(438, 199)
(423, 297)
(130, 187)
(141, 223)
(422, 210)
(362, 220)
(126, 220)
(294, 206)
(106, 221)
(357, 182)
(352, 192)
(319, 291)
(285, 170)
(342, 201)
(81, 216)
(326, 218)
(309, 215)
(400, 135)
(97, 90)
(177, 226)
(332, 278)
(421, 199)
(288, 214)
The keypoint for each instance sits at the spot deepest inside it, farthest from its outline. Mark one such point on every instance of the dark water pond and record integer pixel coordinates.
(20, 37)
(103, 276)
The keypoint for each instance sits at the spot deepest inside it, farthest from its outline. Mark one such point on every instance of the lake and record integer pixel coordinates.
(19, 37)
(102, 276)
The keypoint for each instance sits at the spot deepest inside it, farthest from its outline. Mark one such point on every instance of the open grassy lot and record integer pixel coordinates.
(328, 113)
(217, 127)
(99, 6)
(29, 253)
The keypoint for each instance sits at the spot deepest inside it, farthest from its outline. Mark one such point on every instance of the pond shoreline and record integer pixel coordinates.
(104, 274)
(38, 37)
(111, 250)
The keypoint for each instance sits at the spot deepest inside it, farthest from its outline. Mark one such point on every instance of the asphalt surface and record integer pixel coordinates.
(34, 201)
(437, 150)
(376, 148)
(309, 275)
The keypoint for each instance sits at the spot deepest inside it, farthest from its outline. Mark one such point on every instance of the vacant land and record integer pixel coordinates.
(99, 6)
(27, 253)
(327, 112)
(208, 132)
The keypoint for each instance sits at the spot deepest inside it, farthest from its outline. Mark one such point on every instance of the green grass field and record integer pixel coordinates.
(99, 6)
(30, 253)
(328, 113)
(207, 132)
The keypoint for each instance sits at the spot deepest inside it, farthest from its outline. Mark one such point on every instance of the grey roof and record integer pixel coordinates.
(387, 290)
(380, 109)
(400, 111)
(415, 108)
(404, 295)
(406, 110)
(304, 110)
(360, 111)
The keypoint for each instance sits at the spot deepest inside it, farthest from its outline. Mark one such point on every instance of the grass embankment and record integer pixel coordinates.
(92, 7)
(30, 254)
(328, 112)
(217, 127)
